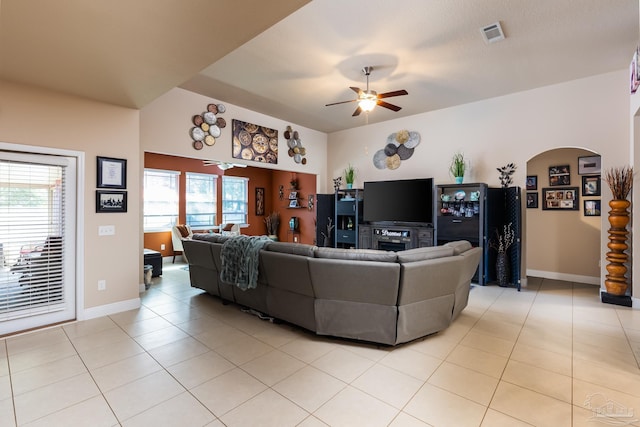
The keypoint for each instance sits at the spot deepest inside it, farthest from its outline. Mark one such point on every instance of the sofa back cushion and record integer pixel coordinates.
(292, 248)
(356, 254)
(421, 254)
(459, 246)
(211, 237)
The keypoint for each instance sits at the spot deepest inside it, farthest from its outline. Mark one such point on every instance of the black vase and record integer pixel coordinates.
(502, 269)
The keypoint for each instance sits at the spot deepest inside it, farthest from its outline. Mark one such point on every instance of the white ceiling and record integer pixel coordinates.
(130, 52)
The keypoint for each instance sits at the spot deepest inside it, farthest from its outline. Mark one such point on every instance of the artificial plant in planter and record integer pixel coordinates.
(458, 167)
(501, 243)
(620, 181)
(350, 175)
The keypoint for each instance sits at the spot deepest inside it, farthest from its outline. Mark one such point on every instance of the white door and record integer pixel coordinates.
(37, 240)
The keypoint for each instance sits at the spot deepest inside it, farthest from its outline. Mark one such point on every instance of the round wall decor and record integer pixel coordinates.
(207, 126)
(399, 146)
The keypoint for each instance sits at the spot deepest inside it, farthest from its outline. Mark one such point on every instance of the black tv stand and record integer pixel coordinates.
(397, 236)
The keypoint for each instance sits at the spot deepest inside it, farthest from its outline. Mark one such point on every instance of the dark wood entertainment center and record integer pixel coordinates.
(470, 212)
(351, 232)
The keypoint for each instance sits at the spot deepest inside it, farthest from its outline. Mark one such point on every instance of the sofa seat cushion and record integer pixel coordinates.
(356, 254)
(459, 246)
(421, 254)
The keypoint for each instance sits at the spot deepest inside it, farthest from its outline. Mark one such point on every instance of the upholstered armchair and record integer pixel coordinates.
(230, 229)
(179, 232)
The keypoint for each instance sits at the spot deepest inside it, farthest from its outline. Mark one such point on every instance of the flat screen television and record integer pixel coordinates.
(399, 201)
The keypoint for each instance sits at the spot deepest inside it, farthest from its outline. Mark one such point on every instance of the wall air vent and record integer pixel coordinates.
(492, 33)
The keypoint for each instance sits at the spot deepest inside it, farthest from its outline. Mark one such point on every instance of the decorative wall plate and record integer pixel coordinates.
(197, 134)
(209, 140)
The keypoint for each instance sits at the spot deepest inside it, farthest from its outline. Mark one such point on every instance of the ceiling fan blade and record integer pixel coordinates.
(389, 106)
(341, 102)
(357, 112)
(356, 89)
(394, 93)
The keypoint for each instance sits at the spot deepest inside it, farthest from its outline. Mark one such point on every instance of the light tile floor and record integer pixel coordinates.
(551, 355)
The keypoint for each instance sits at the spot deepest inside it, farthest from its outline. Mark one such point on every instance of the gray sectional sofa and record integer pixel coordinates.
(370, 295)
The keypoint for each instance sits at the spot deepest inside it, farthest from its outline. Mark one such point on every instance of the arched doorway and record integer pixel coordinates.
(562, 238)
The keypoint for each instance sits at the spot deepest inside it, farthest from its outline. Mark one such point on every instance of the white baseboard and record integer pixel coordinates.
(107, 309)
(590, 280)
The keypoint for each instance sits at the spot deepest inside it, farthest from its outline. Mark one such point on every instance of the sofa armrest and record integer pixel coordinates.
(422, 280)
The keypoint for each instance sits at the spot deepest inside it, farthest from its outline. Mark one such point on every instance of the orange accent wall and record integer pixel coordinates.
(306, 217)
(268, 179)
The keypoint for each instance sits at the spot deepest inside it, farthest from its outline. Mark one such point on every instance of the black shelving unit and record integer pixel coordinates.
(462, 215)
(348, 216)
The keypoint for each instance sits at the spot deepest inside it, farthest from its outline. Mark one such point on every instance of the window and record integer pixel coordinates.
(234, 200)
(160, 199)
(201, 200)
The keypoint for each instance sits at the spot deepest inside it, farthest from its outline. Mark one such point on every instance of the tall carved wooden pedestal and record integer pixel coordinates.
(616, 282)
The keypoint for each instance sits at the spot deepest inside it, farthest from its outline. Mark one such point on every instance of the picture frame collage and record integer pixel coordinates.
(112, 180)
(560, 195)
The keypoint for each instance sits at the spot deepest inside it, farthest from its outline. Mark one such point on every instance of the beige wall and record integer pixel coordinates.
(590, 113)
(576, 247)
(34, 117)
(165, 124)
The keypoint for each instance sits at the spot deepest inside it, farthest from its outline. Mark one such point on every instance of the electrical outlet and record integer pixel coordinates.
(102, 285)
(162, 247)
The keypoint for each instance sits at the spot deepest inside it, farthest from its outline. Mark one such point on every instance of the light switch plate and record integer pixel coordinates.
(106, 230)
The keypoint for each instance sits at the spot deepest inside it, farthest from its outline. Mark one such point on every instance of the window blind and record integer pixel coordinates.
(31, 239)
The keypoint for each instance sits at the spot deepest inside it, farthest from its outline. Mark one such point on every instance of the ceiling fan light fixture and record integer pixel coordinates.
(368, 102)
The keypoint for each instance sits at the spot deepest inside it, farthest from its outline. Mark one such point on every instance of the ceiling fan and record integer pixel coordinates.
(368, 99)
(223, 165)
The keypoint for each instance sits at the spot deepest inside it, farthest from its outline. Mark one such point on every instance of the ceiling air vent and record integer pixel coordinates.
(493, 33)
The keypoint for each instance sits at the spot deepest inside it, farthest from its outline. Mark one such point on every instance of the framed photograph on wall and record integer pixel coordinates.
(559, 175)
(111, 201)
(592, 208)
(564, 199)
(591, 185)
(112, 173)
(294, 203)
(293, 195)
(589, 165)
(532, 200)
(532, 182)
(259, 201)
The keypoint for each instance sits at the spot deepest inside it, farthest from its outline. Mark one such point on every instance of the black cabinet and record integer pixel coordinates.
(348, 216)
(364, 236)
(462, 215)
(475, 212)
(325, 215)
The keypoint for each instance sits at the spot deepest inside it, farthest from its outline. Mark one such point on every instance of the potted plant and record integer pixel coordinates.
(272, 221)
(458, 167)
(350, 175)
(620, 181)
